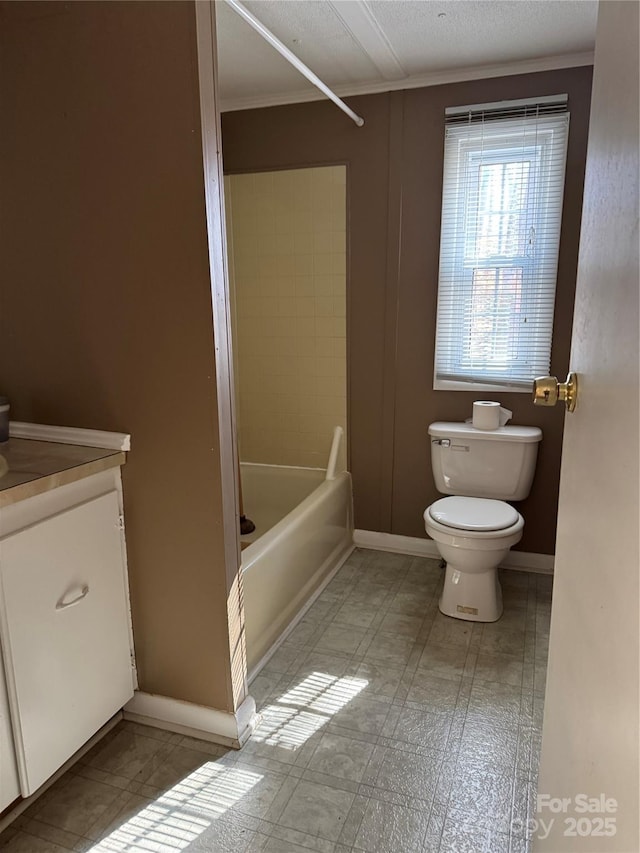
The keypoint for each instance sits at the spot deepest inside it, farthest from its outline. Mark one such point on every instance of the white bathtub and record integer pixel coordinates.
(305, 531)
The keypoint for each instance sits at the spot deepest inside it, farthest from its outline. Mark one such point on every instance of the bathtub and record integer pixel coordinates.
(304, 532)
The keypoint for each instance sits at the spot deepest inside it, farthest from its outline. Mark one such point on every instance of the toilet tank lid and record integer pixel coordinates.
(465, 431)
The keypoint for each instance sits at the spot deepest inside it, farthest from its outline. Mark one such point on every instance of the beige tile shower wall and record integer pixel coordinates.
(287, 236)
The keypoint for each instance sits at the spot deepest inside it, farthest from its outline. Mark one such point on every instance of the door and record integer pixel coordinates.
(590, 733)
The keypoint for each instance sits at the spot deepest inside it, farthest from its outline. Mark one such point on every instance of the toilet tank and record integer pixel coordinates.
(496, 463)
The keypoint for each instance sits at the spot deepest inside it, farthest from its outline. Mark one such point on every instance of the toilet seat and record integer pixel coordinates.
(473, 514)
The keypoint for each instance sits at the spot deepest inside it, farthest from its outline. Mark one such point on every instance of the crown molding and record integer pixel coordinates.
(437, 78)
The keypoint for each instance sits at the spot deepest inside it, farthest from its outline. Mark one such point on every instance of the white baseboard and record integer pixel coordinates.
(186, 718)
(518, 560)
(398, 544)
(527, 561)
(71, 435)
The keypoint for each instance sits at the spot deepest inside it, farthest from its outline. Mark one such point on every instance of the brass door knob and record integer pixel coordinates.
(547, 391)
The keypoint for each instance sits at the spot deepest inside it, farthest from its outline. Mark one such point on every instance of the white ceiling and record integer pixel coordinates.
(361, 46)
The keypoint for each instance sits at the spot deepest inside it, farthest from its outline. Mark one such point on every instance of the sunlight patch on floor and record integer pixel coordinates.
(180, 815)
(315, 700)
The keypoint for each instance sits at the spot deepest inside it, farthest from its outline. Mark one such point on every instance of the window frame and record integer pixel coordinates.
(499, 136)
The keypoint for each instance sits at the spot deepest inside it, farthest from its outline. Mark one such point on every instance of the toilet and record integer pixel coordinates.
(475, 527)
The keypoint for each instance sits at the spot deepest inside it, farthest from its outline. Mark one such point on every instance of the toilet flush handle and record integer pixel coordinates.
(547, 391)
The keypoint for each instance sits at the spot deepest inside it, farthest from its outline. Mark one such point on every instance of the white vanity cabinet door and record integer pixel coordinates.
(64, 633)
(9, 785)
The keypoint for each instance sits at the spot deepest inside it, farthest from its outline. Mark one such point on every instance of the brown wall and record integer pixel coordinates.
(394, 196)
(105, 296)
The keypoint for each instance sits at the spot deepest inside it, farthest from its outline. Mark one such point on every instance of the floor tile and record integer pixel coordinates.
(124, 754)
(284, 659)
(262, 794)
(367, 594)
(340, 756)
(412, 775)
(541, 652)
(465, 836)
(77, 806)
(22, 842)
(389, 649)
(317, 810)
(320, 661)
(495, 747)
(540, 677)
(277, 845)
(484, 794)
(446, 777)
(503, 669)
(411, 602)
(306, 633)
(54, 835)
(283, 835)
(263, 686)
(361, 715)
(356, 615)
(388, 828)
(513, 620)
(168, 769)
(124, 808)
(433, 693)
(422, 728)
(401, 624)
(503, 642)
(501, 701)
(224, 835)
(320, 611)
(447, 631)
(444, 660)
(386, 726)
(381, 681)
(431, 842)
(340, 638)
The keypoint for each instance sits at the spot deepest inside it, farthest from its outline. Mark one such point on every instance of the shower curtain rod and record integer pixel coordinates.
(293, 59)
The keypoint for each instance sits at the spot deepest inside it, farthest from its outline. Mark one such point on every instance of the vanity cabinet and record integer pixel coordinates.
(64, 621)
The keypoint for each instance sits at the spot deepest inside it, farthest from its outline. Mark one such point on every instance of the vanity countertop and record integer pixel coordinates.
(39, 466)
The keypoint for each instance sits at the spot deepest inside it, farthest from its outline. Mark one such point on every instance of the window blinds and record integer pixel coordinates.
(503, 186)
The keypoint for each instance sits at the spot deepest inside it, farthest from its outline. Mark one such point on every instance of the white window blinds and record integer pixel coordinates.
(501, 213)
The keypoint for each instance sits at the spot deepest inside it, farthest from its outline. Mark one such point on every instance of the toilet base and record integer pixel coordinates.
(474, 596)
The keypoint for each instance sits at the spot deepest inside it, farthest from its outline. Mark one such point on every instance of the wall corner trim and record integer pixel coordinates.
(521, 561)
(71, 435)
(225, 727)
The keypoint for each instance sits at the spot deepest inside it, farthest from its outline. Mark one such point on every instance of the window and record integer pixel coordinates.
(501, 213)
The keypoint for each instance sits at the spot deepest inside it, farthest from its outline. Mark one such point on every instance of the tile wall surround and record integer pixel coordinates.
(287, 247)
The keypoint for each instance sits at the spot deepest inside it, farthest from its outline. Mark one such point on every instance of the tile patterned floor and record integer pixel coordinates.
(387, 727)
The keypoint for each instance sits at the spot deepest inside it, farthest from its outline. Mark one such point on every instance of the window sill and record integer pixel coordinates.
(450, 385)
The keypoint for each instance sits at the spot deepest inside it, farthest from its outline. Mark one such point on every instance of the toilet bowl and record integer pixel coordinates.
(473, 536)
(475, 527)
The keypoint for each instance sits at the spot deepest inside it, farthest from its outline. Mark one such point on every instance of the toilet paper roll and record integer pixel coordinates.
(486, 415)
